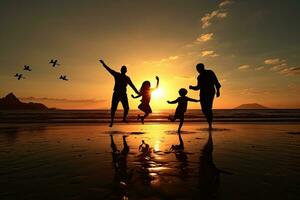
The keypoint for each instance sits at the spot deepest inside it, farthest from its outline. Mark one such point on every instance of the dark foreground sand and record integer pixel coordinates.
(234, 161)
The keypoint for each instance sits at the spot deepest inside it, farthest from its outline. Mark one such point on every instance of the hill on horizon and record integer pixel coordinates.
(11, 102)
(251, 106)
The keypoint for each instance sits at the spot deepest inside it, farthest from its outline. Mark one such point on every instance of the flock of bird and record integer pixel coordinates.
(52, 62)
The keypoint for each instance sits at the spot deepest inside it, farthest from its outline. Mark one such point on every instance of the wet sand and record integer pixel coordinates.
(234, 161)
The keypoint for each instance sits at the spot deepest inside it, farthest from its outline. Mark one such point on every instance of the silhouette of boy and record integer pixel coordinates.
(181, 107)
(208, 85)
(121, 82)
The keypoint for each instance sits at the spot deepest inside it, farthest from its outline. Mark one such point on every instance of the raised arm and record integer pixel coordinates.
(157, 82)
(112, 72)
(196, 87)
(192, 100)
(132, 86)
(173, 102)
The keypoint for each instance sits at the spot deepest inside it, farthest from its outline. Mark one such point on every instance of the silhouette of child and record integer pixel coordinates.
(182, 106)
(145, 93)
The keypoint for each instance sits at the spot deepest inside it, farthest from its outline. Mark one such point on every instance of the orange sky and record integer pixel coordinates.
(236, 39)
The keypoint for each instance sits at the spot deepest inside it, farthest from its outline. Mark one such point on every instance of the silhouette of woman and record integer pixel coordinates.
(145, 93)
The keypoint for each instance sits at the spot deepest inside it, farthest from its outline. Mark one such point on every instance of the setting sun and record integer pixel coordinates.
(158, 94)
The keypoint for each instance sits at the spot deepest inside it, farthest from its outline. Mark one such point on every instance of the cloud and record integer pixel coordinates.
(225, 3)
(173, 57)
(206, 20)
(219, 13)
(290, 71)
(259, 68)
(162, 61)
(242, 67)
(272, 61)
(209, 54)
(205, 37)
(278, 67)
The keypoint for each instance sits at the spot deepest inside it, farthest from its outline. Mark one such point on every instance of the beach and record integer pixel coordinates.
(76, 161)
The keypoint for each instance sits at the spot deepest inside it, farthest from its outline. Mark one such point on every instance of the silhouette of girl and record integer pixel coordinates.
(145, 93)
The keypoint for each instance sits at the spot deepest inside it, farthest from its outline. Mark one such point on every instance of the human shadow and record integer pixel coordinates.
(122, 174)
(209, 174)
(181, 157)
(146, 162)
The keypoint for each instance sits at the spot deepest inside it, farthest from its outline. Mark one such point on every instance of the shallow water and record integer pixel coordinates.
(234, 161)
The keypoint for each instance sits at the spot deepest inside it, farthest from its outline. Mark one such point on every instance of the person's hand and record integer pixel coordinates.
(157, 78)
(218, 93)
(132, 96)
(168, 101)
(190, 87)
(102, 62)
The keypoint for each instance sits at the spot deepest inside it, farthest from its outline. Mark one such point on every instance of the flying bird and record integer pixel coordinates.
(19, 76)
(27, 68)
(64, 78)
(54, 63)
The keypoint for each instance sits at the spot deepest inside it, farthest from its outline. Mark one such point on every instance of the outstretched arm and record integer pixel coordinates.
(173, 102)
(193, 100)
(132, 86)
(137, 96)
(112, 72)
(196, 87)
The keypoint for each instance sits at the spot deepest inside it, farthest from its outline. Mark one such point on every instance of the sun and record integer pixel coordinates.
(158, 93)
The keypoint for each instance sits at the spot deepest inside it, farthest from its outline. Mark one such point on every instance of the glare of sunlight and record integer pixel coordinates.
(158, 93)
(156, 145)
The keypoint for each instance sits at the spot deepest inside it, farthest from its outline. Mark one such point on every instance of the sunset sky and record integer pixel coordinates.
(252, 46)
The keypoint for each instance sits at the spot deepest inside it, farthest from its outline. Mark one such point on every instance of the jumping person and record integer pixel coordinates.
(181, 107)
(145, 93)
(121, 82)
(208, 85)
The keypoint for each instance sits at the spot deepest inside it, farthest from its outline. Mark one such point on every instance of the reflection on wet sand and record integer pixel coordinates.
(209, 176)
(181, 157)
(122, 174)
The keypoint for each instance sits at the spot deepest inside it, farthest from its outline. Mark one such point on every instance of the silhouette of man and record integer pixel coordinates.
(121, 82)
(208, 85)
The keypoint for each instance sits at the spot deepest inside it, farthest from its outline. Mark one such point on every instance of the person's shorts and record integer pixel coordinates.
(116, 98)
(206, 101)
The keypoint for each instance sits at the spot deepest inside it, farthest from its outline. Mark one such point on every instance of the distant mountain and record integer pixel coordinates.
(11, 102)
(251, 106)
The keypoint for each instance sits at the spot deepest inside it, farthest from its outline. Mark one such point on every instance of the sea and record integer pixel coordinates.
(161, 116)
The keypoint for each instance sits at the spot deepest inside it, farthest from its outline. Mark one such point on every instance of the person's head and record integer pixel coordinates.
(182, 92)
(200, 67)
(145, 86)
(123, 69)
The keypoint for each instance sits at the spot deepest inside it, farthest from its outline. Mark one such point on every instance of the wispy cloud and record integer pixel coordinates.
(162, 61)
(278, 67)
(206, 20)
(272, 61)
(242, 67)
(225, 3)
(205, 37)
(209, 53)
(290, 71)
(219, 13)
